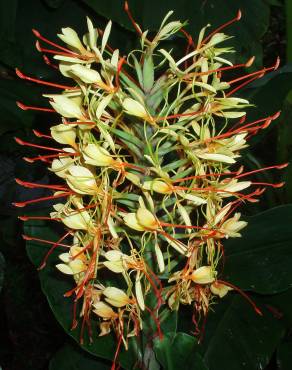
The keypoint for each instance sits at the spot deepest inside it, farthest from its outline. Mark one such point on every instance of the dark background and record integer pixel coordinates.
(29, 334)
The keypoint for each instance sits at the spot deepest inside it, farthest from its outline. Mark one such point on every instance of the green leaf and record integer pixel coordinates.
(54, 4)
(148, 73)
(70, 357)
(262, 93)
(284, 356)
(242, 340)
(177, 350)
(261, 260)
(149, 15)
(12, 116)
(2, 269)
(55, 284)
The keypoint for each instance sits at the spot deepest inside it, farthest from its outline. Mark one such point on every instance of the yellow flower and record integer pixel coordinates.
(203, 275)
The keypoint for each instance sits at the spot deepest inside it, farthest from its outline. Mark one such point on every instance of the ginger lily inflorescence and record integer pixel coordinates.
(147, 152)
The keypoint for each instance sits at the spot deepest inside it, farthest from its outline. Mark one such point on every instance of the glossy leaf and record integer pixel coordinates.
(2, 270)
(261, 260)
(241, 339)
(284, 356)
(175, 350)
(70, 357)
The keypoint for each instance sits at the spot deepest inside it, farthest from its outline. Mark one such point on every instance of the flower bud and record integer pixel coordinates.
(203, 275)
(219, 289)
(97, 156)
(81, 180)
(116, 297)
(66, 107)
(104, 310)
(64, 134)
(146, 219)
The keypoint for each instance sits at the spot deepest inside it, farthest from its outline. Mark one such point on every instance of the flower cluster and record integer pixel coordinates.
(149, 182)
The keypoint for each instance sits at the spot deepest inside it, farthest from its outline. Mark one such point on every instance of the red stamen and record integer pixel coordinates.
(39, 134)
(49, 63)
(244, 295)
(157, 323)
(244, 84)
(235, 19)
(24, 77)
(23, 204)
(55, 52)
(51, 250)
(39, 36)
(28, 218)
(33, 185)
(135, 25)
(279, 185)
(113, 367)
(31, 238)
(242, 65)
(277, 167)
(25, 143)
(119, 69)
(264, 70)
(27, 107)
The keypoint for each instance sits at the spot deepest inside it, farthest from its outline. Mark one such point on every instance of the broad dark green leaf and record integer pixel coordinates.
(13, 117)
(262, 93)
(54, 4)
(284, 356)
(177, 350)
(55, 284)
(2, 270)
(242, 340)
(17, 43)
(149, 15)
(70, 357)
(261, 260)
(284, 146)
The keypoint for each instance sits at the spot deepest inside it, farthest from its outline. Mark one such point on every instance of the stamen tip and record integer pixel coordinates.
(18, 73)
(38, 46)
(19, 205)
(23, 218)
(250, 61)
(19, 141)
(26, 159)
(36, 32)
(21, 105)
(276, 115)
(239, 15)
(126, 6)
(277, 63)
(26, 237)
